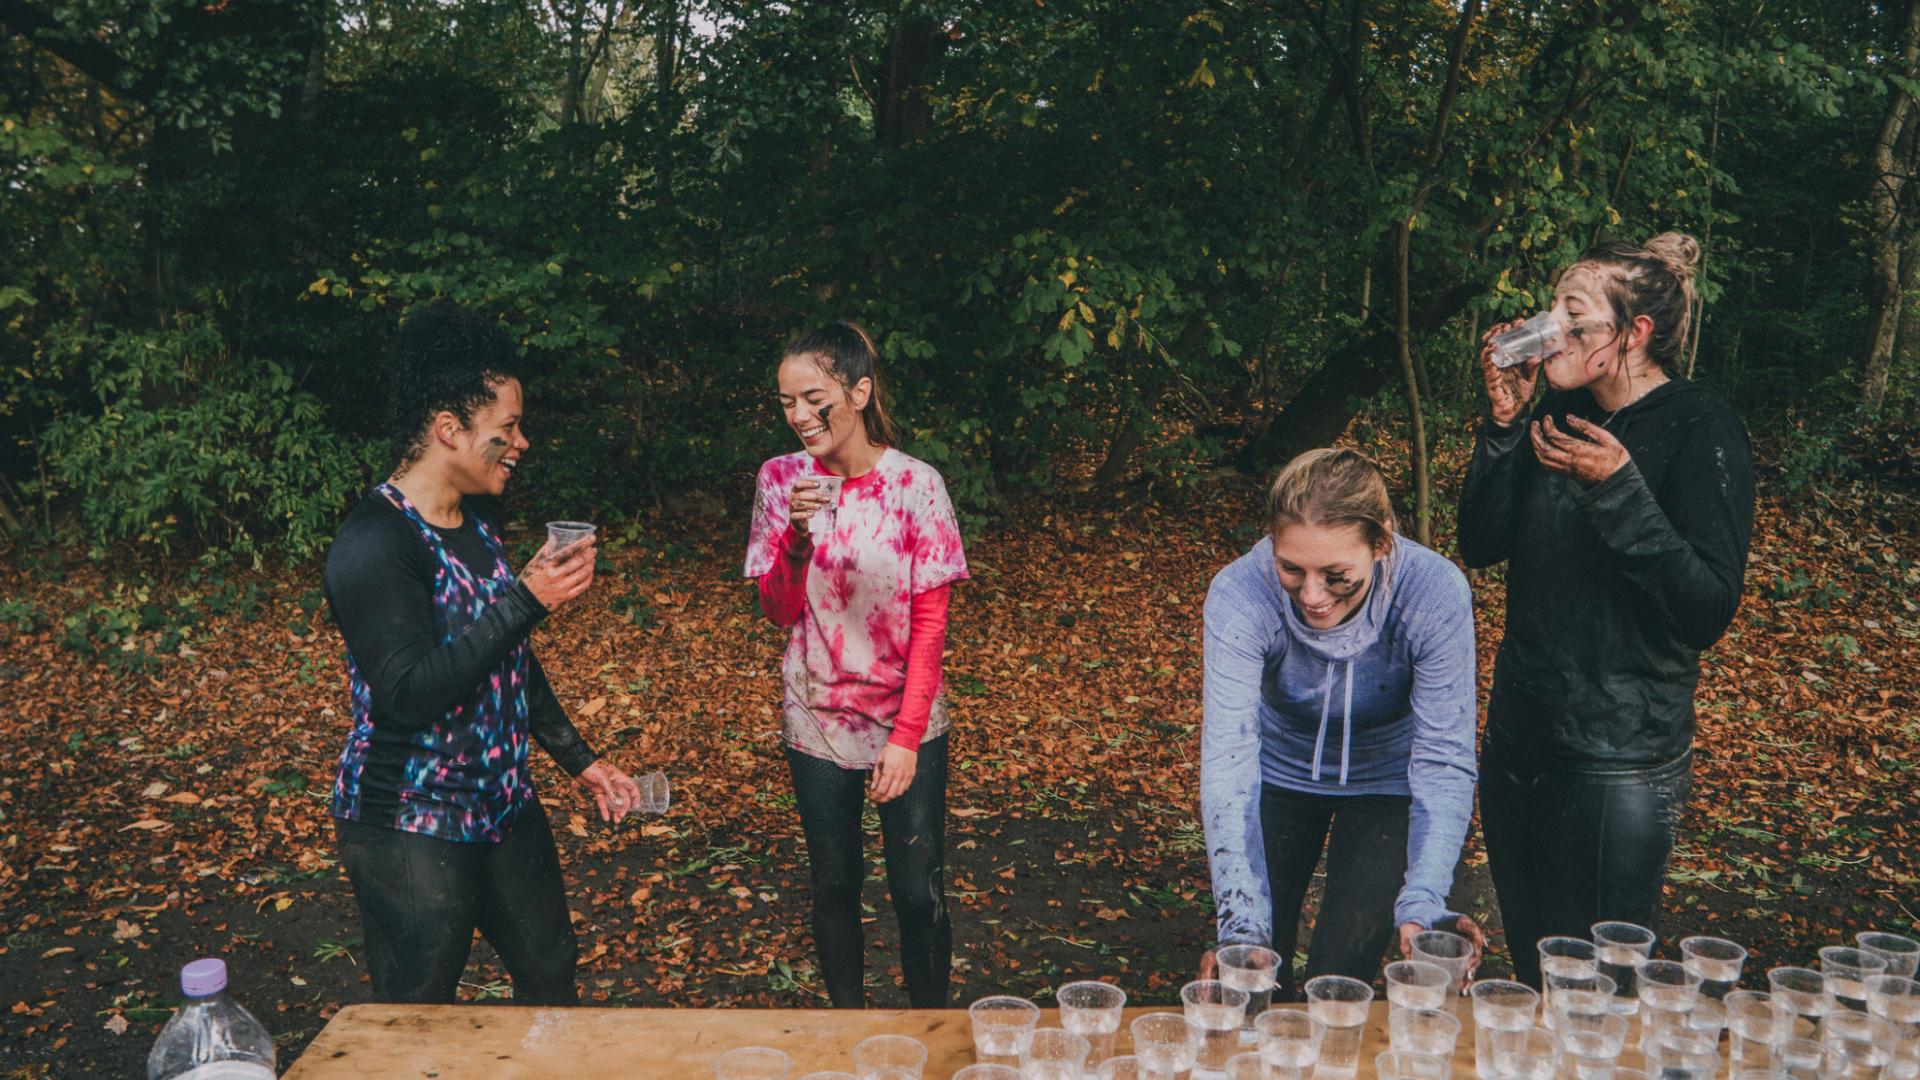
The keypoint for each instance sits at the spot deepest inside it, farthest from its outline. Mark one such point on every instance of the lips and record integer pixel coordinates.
(809, 434)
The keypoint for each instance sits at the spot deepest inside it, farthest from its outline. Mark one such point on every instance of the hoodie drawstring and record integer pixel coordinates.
(1326, 706)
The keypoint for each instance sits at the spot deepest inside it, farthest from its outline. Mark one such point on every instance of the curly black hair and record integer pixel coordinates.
(444, 358)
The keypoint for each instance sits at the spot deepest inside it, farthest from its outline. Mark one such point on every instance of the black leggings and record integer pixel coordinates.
(1570, 847)
(421, 898)
(913, 828)
(1366, 863)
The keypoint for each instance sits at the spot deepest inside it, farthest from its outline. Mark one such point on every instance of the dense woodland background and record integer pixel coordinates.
(1168, 235)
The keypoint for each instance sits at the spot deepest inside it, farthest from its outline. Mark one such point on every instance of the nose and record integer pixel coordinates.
(1313, 594)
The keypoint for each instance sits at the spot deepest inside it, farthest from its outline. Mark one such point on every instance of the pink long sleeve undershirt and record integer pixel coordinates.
(783, 596)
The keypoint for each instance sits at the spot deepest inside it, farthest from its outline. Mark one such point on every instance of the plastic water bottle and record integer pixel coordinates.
(210, 1036)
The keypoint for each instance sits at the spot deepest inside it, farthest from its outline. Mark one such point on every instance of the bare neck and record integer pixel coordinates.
(426, 486)
(1627, 384)
(857, 458)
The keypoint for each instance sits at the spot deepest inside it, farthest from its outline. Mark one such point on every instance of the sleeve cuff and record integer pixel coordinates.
(906, 740)
(533, 608)
(1421, 912)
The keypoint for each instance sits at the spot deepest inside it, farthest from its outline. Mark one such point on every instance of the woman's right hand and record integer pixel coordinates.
(804, 500)
(555, 577)
(1209, 965)
(1508, 389)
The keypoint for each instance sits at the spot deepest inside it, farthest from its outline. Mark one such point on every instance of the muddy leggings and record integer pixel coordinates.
(913, 831)
(421, 898)
(1569, 847)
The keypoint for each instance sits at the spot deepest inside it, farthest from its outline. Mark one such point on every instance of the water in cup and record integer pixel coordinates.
(1219, 1026)
(1489, 1028)
(1616, 962)
(1540, 337)
(1100, 1027)
(1345, 1022)
(1253, 970)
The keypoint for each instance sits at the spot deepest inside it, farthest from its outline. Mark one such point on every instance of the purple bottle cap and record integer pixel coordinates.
(203, 977)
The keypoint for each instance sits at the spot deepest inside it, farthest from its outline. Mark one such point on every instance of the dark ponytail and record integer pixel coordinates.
(846, 352)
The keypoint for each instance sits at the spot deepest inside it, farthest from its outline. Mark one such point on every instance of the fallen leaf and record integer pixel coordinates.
(57, 950)
(184, 798)
(592, 708)
(117, 1024)
(124, 930)
(154, 790)
(148, 824)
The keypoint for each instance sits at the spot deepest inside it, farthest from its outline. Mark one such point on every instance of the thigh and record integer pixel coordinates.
(1366, 865)
(1293, 832)
(830, 800)
(523, 912)
(418, 909)
(914, 826)
(1638, 818)
(1512, 823)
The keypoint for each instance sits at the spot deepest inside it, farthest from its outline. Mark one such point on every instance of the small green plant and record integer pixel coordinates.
(335, 950)
(23, 615)
(287, 780)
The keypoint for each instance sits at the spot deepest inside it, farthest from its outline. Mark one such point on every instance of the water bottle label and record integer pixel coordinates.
(226, 1070)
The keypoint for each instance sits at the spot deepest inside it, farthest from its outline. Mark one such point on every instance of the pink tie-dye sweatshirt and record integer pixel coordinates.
(893, 537)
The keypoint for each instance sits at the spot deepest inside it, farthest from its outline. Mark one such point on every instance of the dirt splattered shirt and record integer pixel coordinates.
(892, 536)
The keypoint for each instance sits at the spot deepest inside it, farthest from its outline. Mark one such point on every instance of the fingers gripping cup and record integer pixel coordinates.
(821, 522)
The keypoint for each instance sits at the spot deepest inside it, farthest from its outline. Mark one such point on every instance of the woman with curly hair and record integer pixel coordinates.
(439, 827)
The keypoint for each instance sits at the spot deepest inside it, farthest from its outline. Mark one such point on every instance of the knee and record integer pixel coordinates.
(921, 895)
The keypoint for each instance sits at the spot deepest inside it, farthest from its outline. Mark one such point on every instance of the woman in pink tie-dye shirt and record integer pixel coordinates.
(854, 545)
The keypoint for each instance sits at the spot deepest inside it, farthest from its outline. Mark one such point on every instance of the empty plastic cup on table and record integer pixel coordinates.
(1847, 970)
(565, 534)
(1717, 961)
(1902, 954)
(1619, 947)
(1124, 1067)
(1052, 1054)
(1449, 951)
(753, 1063)
(829, 489)
(655, 794)
(1424, 1031)
(1340, 1004)
(889, 1057)
(1288, 1038)
(1166, 1043)
(1540, 337)
(1408, 1065)
(988, 1072)
(1895, 998)
(1417, 984)
(1093, 1011)
(998, 1022)
(1533, 1054)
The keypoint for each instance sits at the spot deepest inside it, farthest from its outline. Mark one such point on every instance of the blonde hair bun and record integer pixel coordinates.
(1679, 252)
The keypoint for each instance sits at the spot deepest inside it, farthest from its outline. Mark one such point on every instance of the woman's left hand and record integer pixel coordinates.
(1459, 924)
(893, 773)
(1589, 453)
(613, 791)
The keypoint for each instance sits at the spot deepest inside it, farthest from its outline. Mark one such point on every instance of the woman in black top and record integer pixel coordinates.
(439, 827)
(1623, 504)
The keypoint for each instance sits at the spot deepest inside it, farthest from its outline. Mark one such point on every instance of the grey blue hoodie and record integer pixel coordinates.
(1382, 704)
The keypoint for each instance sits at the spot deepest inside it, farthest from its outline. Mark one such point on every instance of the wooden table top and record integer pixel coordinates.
(467, 1042)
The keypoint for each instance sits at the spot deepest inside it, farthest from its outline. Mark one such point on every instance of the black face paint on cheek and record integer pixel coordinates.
(825, 415)
(494, 451)
(1344, 589)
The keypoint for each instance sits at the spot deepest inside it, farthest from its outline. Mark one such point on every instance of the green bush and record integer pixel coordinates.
(182, 440)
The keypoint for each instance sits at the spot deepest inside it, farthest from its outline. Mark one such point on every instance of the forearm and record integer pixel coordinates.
(783, 589)
(419, 682)
(551, 726)
(1230, 783)
(926, 641)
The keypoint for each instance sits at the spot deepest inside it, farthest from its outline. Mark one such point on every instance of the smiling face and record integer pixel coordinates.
(485, 453)
(824, 414)
(1325, 569)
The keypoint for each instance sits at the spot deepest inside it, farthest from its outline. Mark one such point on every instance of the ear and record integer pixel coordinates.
(447, 429)
(1639, 333)
(861, 393)
(1385, 547)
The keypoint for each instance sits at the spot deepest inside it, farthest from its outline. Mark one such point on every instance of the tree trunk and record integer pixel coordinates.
(905, 111)
(1906, 343)
(1884, 205)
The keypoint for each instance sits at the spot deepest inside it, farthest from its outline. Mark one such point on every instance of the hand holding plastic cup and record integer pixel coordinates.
(828, 488)
(1540, 337)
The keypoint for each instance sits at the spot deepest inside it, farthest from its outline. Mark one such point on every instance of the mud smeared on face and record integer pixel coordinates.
(494, 451)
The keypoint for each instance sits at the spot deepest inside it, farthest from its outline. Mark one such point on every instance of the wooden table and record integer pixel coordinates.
(470, 1042)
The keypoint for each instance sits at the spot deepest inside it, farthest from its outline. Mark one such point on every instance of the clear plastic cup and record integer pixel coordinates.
(1707, 1019)
(1676, 1054)
(1217, 1010)
(1755, 1025)
(1902, 954)
(1254, 969)
(1666, 991)
(1052, 1054)
(1867, 1042)
(1417, 984)
(564, 534)
(1805, 1059)
(1717, 961)
(1541, 336)
(988, 1072)
(1423, 1031)
(829, 488)
(892, 1057)
(1531, 1054)
(1801, 992)
(1575, 996)
(1340, 1004)
(1449, 951)
(1593, 1041)
(1895, 998)
(1563, 958)
(1124, 1067)
(1618, 948)
(998, 1022)
(1501, 1007)
(1165, 1043)
(753, 1063)
(1409, 1065)
(655, 793)
(834, 1074)
(1289, 1038)
(1847, 970)
(1245, 1067)
(1093, 1011)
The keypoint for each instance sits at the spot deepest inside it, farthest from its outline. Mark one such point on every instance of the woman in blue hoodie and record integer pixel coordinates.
(1339, 716)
